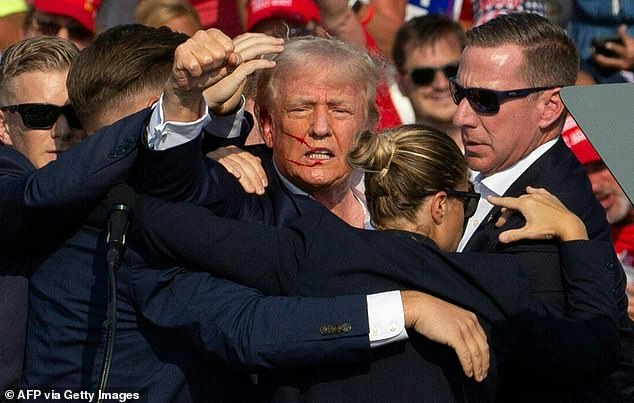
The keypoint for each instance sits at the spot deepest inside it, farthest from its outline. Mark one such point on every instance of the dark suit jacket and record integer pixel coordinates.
(181, 336)
(318, 254)
(559, 172)
(29, 223)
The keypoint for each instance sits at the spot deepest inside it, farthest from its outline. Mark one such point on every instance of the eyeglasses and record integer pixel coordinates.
(424, 76)
(43, 116)
(469, 199)
(487, 101)
(75, 31)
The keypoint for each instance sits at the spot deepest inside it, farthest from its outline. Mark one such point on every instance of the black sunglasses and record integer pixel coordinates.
(75, 31)
(43, 116)
(469, 199)
(424, 76)
(487, 101)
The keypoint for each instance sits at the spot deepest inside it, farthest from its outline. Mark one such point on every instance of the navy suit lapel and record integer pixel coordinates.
(485, 236)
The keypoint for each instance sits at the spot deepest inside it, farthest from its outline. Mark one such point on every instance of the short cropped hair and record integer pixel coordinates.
(401, 164)
(121, 63)
(551, 56)
(40, 53)
(424, 31)
(321, 54)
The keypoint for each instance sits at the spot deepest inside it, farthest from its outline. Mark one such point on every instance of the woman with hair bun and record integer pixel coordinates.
(419, 197)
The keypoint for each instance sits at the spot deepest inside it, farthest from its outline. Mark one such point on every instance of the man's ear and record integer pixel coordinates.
(439, 207)
(400, 78)
(553, 108)
(152, 100)
(266, 127)
(5, 138)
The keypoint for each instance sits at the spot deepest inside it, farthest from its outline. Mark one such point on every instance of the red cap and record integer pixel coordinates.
(298, 11)
(578, 143)
(83, 11)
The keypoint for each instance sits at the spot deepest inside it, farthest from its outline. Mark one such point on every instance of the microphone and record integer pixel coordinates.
(120, 204)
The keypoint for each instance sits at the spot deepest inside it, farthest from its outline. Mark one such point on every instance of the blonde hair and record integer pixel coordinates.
(401, 164)
(156, 13)
(40, 53)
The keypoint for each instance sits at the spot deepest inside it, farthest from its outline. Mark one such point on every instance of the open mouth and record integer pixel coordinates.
(319, 155)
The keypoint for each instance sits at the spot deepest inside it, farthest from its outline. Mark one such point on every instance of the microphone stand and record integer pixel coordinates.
(114, 263)
(115, 250)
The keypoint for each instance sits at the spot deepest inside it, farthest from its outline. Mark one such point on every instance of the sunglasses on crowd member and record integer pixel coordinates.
(43, 116)
(469, 199)
(75, 31)
(487, 101)
(424, 76)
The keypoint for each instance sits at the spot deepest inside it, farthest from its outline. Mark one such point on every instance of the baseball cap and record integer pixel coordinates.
(83, 11)
(578, 143)
(298, 11)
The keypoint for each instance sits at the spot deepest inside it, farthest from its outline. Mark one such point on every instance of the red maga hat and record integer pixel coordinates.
(298, 11)
(83, 11)
(578, 143)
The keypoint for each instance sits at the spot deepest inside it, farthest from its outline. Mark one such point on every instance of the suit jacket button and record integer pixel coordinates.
(332, 329)
(346, 327)
(323, 330)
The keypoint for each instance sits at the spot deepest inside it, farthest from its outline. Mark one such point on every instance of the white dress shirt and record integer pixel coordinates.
(496, 185)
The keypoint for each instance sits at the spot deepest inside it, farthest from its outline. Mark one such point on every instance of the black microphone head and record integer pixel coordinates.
(121, 197)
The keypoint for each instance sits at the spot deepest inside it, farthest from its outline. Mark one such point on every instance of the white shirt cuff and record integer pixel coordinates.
(386, 318)
(164, 135)
(227, 126)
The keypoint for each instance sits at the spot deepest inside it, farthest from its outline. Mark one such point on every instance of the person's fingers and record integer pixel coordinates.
(254, 49)
(244, 166)
(503, 218)
(476, 344)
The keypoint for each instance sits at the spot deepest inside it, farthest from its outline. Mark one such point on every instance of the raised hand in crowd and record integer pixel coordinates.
(623, 58)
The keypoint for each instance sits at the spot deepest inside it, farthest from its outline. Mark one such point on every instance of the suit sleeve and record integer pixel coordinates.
(38, 201)
(259, 256)
(246, 329)
(584, 344)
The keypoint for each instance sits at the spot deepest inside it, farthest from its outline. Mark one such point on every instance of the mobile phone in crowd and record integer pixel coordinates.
(598, 45)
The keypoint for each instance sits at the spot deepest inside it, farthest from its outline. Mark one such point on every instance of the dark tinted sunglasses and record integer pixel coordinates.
(43, 116)
(75, 31)
(469, 199)
(424, 76)
(487, 101)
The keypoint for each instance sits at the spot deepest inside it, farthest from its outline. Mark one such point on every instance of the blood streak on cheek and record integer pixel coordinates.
(302, 141)
(299, 164)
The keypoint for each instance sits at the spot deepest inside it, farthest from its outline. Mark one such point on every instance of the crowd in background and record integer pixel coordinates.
(434, 61)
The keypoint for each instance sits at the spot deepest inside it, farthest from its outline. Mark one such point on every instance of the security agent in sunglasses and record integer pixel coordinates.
(36, 125)
(426, 53)
(35, 116)
(510, 115)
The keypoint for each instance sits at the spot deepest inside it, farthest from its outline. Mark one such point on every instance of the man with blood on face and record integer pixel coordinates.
(310, 107)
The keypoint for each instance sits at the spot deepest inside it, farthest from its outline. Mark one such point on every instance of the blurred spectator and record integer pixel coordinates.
(177, 15)
(600, 20)
(618, 208)
(284, 18)
(115, 12)
(221, 14)
(426, 54)
(12, 18)
(68, 19)
(341, 21)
